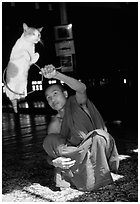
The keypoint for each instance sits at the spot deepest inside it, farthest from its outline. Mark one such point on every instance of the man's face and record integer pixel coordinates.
(55, 97)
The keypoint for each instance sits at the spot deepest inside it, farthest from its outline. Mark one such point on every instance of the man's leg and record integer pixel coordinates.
(52, 144)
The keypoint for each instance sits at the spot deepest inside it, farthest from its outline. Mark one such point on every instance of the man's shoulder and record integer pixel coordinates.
(72, 97)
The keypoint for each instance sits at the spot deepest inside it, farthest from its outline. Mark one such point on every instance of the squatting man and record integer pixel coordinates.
(77, 144)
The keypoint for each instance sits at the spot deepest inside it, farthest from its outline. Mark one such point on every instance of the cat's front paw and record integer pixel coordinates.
(35, 58)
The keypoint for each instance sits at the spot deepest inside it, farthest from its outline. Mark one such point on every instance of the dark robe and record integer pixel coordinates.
(95, 151)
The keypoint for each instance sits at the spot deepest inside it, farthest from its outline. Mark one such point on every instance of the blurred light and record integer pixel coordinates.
(52, 81)
(103, 81)
(124, 81)
(33, 87)
(26, 105)
(69, 26)
(62, 82)
(36, 82)
(135, 150)
(122, 157)
(117, 122)
(39, 104)
(37, 87)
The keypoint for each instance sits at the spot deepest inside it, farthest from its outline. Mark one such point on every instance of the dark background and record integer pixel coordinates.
(106, 45)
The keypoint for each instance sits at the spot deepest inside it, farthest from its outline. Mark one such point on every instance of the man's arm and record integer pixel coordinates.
(80, 88)
(76, 85)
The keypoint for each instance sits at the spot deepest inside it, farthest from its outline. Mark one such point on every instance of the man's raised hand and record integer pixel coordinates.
(48, 71)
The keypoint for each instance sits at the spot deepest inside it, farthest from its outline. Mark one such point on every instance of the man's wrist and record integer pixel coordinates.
(57, 75)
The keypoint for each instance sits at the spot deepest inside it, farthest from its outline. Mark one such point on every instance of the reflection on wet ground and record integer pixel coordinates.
(22, 135)
(28, 177)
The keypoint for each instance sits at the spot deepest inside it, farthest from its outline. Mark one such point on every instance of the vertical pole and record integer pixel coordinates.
(63, 13)
(64, 21)
(36, 6)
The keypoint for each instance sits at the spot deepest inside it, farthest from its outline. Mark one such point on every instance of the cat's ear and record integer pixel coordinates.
(40, 29)
(25, 27)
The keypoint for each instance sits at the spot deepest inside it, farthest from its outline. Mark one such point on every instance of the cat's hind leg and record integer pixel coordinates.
(15, 105)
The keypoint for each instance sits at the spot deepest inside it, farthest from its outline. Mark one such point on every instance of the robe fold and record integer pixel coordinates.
(84, 138)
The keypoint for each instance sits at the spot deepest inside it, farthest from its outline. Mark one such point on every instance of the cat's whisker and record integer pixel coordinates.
(41, 42)
(57, 68)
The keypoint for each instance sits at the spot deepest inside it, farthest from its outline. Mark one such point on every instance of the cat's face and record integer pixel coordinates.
(32, 35)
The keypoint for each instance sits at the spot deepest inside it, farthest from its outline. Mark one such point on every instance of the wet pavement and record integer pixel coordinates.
(23, 134)
(23, 155)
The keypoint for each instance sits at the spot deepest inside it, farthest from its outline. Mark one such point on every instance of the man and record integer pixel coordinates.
(77, 143)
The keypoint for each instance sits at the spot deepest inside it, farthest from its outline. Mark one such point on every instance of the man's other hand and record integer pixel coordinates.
(63, 163)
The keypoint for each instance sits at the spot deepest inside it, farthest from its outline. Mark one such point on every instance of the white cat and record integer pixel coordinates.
(22, 57)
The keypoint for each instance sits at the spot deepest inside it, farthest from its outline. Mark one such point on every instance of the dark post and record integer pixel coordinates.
(63, 13)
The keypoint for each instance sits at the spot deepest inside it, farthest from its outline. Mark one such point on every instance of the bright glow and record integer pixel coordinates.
(118, 122)
(69, 26)
(37, 87)
(36, 82)
(33, 87)
(41, 87)
(122, 157)
(62, 82)
(135, 150)
(124, 81)
(116, 177)
(26, 105)
(39, 82)
(52, 81)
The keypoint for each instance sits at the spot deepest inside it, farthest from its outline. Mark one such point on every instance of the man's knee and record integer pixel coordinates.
(100, 140)
(52, 142)
(49, 140)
